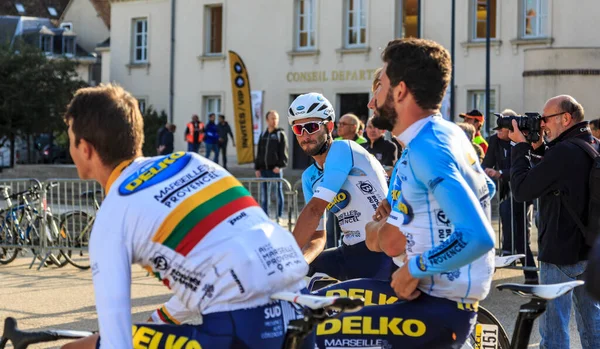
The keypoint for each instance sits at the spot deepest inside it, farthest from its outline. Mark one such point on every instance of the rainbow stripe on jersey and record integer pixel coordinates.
(197, 215)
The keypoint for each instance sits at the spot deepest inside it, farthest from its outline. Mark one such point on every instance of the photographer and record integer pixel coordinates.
(561, 174)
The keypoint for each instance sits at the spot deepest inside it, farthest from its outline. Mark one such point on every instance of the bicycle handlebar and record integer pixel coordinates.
(22, 339)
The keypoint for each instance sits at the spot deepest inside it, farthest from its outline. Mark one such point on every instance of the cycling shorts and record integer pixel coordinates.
(259, 327)
(352, 262)
(386, 322)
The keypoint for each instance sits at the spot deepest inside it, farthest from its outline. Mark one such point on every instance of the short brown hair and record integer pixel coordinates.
(109, 118)
(424, 66)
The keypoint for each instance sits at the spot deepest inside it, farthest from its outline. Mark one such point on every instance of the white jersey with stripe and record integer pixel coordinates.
(440, 199)
(353, 182)
(197, 229)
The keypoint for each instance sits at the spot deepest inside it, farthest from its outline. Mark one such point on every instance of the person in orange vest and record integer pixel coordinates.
(194, 134)
(475, 118)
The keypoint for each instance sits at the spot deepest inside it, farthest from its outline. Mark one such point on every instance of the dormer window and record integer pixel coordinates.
(68, 45)
(46, 44)
(52, 11)
(20, 8)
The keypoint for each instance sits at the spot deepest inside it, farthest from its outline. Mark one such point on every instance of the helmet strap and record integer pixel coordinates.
(325, 145)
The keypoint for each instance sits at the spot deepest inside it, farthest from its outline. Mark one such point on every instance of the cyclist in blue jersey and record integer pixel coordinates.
(439, 223)
(346, 180)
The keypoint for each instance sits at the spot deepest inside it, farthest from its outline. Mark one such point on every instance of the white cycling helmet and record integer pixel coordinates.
(310, 105)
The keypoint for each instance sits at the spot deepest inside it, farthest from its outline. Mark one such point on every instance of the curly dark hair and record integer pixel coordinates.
(424, 66)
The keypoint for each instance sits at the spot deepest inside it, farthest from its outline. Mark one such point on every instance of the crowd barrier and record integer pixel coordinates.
(56, 222)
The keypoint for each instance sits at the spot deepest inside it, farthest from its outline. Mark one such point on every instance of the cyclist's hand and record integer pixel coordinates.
(404, 284)
(383, 211)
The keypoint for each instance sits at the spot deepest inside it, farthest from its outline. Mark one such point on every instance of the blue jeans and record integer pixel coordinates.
(554, 323)
(265, 193)
(193, 147)
(214, 148)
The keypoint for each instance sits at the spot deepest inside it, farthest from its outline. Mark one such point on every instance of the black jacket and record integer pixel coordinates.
(272, 150)
(165, 137)
(498, 157)
(562, 169)
(386, 152)
(224, 131)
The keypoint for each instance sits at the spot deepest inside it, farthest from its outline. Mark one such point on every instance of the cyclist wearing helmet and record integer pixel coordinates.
(346, 180)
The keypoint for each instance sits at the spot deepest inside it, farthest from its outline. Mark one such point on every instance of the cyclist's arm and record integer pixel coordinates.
(317, 240)
(111, 260)
(339, 162)
(473, 233)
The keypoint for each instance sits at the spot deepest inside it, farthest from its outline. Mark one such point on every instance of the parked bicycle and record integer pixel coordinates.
(75, 229)
(21, 224)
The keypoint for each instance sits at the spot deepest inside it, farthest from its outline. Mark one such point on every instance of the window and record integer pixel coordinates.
(213, 105)
(52, 11)
(356, 23)
(68, 45)
(480, 19)
(46, 44)
(477, 101)
(67, 26)
(20, 8)
(305, 24)
(535, 16)
(408, 18)
(140, 40)
(214, 29)
(142, 105)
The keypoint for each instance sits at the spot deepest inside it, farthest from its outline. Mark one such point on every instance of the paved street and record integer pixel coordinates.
(64, 298)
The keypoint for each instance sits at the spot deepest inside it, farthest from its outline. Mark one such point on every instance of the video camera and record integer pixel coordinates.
(530, 122)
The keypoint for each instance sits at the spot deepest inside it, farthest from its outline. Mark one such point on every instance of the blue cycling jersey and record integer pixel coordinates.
(440, 199)
(353, 182)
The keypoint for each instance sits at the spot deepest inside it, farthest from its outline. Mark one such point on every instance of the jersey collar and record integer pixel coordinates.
(413, 130)
(116, 173)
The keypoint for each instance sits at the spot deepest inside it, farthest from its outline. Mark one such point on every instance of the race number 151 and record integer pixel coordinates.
(486, 336)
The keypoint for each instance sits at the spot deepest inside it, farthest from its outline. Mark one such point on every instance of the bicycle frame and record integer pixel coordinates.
(528, 312)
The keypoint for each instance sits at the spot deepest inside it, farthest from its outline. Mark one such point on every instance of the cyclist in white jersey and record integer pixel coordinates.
(344, 179)
(440, 205)
(190, 223)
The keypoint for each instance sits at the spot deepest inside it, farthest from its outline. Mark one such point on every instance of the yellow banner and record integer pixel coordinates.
(242, 108)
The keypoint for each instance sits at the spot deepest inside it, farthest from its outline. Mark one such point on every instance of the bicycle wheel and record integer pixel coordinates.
(74, 234)
(487, 323)
(7, 237)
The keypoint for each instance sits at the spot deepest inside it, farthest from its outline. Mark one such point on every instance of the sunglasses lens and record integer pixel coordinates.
(311, 127)
(297, 129)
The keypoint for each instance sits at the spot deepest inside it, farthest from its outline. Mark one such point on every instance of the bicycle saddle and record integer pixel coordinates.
(547, 292)
(344, 304)
(505, 261)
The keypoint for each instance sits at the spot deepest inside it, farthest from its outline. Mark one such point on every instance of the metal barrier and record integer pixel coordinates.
(512, 231)
(262, 188)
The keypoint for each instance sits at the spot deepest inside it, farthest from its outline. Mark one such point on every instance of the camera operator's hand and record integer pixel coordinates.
(493, 173)
(516, 135)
